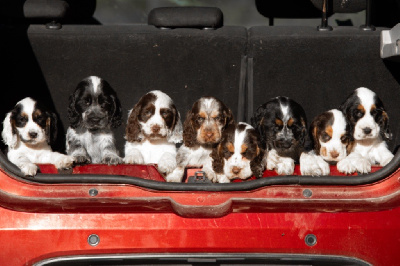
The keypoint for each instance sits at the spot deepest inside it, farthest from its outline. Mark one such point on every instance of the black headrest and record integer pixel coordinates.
(287, 9)
(46, 10)
(186, 17)
(33, 9)
(342, 6)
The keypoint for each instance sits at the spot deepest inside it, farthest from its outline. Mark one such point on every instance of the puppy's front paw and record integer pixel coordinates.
(29, 169)
(345, 166)
(272, 160)
(313, 165)
(362, 165)
(210, 174)
(134, 159)
(82, 159)
(285, 166)
(64, 162)
(176, 175)
(223, 179)
(387, 160)
(167, 164)
(112, 159)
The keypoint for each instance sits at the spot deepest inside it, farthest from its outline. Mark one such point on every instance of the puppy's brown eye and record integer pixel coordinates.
(147, 113)
(325, 137)
(164, 114)
(344, 139)
(217, 118)
(200, 119)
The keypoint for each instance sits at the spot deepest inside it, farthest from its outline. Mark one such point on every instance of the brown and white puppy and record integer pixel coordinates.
(202, 130)
(238, 155)
(153, 128)
(369, 122)
(332, 142)
(28, 131)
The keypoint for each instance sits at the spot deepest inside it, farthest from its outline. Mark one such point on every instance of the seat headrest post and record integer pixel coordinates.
(368, 24)
(324, 20)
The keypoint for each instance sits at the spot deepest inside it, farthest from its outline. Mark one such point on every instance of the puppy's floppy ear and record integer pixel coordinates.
(177, 131)
(9, 134)
(217, 159)
(257, 121)
(229, 120)
(73, 116)
(189, 132)
(116, 118)
(133, 128)
(314, 135)
(256, 165)
(384, 125)
(51, 127)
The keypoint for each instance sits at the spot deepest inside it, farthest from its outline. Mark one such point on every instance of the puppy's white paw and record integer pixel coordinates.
(210, 174)
(167, 163)
(285, 166)
(112, 159)
(272, 160)
(134, 159)
(223, 179)
(176, 175)
(314, 165)
(29, 169)
(387, 160)
(64, 162)
(362, 165)
(346, 166)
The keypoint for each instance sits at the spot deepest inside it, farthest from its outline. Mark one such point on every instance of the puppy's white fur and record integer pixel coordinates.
(26, 155)
(162, 150)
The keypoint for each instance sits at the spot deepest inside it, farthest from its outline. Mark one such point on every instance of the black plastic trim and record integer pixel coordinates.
(242, 186)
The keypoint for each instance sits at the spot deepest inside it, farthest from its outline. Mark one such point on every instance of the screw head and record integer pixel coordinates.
(307, 193)
(310, 240)
(93, 240)
(93, 192)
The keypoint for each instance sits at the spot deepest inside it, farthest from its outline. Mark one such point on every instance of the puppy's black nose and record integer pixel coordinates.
(367, 130)
(33, 135)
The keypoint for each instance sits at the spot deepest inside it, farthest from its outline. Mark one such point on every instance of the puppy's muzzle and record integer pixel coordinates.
(283, 143)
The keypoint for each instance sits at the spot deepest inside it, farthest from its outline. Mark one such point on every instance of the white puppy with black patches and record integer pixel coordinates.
(153, 128)
(28, 131)
(281, 124)
(94, 109)
(369, 121)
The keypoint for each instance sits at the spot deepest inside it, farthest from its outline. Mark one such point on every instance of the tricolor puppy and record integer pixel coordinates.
(94, 109)
(332, 143)
(370, 129)
(202, 130)
(154, 127)
(28, 131)
(238, 155)
(282, 125)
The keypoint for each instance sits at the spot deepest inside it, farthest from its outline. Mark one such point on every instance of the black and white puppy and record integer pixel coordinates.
(28, 131)
(282, 125)
(332, 142)
(238, 155)
(93, 110)
(202, 130)
(154, 127)
(369, 123)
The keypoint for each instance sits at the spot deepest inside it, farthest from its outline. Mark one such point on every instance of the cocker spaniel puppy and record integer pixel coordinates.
(94, 109)
(332, 142)
(28, 131)
(238, 155)
(154, 127)
(281, 123)
(202, 130)
(369, 123)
